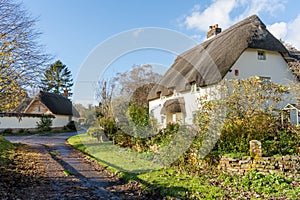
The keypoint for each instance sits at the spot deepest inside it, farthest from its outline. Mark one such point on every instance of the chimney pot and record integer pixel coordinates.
(66, 93)
(213, 31)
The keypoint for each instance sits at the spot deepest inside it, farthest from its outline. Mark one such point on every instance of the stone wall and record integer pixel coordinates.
(286, 165)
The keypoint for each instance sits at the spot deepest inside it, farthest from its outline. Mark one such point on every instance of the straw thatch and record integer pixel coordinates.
(173, 106)
(209, 62)
(57, 104)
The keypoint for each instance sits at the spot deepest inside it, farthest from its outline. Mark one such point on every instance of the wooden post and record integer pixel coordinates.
(255, 149)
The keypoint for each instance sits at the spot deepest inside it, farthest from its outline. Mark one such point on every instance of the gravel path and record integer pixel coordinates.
(72, 175)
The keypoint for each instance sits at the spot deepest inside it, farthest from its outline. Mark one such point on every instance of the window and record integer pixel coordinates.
(265, 79)
(152, 113)
(38, 109)
(261, 55)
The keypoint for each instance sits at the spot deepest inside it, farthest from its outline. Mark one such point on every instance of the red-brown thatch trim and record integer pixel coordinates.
(209, 62)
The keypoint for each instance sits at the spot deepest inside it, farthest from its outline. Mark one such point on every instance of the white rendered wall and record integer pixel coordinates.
(15, 123)
(274, 66)
(30, 122)
(60, 121)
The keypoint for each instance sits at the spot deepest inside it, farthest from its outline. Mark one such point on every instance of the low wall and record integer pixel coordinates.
(286, 165)
(16, 121)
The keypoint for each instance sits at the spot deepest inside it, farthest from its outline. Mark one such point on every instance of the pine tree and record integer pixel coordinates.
(57, 78)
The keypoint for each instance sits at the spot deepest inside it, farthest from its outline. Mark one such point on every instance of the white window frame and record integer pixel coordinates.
(261, 55)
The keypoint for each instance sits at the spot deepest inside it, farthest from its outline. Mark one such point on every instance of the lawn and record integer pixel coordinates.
(173, 182)
(119, 158)
(5, 152)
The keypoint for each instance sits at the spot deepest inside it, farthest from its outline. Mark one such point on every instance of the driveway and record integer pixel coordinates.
(68, 170)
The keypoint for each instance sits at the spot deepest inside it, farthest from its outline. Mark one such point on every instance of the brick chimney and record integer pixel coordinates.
(66, 93)
(213, 31)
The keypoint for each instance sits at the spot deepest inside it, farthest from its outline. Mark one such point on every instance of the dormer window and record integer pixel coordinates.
(193, 87)
(261, 55)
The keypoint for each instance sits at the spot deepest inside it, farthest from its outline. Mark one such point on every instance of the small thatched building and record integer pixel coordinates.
(53, 104)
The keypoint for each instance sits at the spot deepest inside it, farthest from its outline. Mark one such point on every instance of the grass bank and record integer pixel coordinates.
(174, 182)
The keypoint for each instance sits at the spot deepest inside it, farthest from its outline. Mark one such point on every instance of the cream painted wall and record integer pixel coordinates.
(274, 66)
(30, 122)
(14, 122)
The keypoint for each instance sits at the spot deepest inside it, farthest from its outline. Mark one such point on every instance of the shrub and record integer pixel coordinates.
(138, 114)
(7, 131)
(44, 124)
(250, 112)
(71, 125)
(96, 133)
(109, 126)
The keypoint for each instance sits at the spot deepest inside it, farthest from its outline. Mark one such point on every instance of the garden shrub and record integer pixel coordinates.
(138, 114)
(71, 125)
(7, 131)
(247, 110)
(145, 144)
(96, 133)
(109, 126)
(44, 124)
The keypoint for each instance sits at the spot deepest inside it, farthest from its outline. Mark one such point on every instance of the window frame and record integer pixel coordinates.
(261, 55)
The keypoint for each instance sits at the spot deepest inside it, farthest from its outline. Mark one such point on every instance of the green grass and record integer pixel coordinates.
(121, 159)
(174, 183)
(5, 151)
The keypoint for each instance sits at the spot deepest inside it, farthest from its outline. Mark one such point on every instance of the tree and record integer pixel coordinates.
(138, 76)
(250, 110)
(57, 78)
(21, 57)
(104, 111)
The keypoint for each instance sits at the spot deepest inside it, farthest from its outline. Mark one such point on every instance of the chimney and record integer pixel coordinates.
(213, 31)
(66, 93)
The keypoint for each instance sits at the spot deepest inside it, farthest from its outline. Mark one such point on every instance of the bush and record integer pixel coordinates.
(138, 114)
(250, 111)
(96, 133)
(44, 124)
(109, 126)
(7, 131)
(71, 125)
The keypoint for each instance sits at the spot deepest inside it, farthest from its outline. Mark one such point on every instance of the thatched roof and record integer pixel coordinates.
(173, 106)
(209, 62)
(57, 104)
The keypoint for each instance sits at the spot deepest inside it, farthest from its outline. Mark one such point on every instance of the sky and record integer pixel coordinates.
(73, 29)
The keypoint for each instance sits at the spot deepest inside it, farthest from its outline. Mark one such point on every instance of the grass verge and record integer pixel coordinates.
(173, 182)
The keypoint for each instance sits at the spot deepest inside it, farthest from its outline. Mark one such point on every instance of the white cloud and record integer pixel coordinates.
(279, 30)
(270, 7)
(287, 31)
(217, 12)
(228, 12)
(220, 12)
(293, 32)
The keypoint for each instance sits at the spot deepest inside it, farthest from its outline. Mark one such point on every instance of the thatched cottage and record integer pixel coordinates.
(245, 49)
(53, 104)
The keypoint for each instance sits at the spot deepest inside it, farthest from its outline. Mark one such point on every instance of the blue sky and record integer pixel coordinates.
(73, 28)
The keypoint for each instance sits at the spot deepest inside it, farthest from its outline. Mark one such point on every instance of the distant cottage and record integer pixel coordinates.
(245, 49)
(29, 112)
(52, 104)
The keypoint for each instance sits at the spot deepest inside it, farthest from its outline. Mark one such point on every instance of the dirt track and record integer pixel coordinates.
(70, 175)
